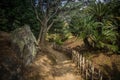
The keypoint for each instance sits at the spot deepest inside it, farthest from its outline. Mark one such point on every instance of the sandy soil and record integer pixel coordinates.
(63, 69)
(55, 65)
(46, 66)
(108, 63)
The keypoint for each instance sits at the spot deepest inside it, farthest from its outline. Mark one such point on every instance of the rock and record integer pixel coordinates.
(24, 44)
(10, 65)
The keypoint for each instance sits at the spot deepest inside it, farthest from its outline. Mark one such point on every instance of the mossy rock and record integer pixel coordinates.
(24, 44)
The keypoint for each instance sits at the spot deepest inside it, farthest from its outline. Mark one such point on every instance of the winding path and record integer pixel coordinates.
(43, 68)
(65, 69)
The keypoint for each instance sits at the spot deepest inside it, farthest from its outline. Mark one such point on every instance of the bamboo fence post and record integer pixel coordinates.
(80, 63)
(92, 71)
(100, 75)
(73, 52)
(76, 57)
(72, 55)
(78, 60)
(89, 69)
(86, 72)
(101, 78)
(83, 65)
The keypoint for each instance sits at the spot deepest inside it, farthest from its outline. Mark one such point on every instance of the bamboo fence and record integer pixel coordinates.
(85, 67)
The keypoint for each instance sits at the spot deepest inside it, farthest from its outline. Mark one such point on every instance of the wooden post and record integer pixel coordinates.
(83, 65)
(73, 52)
(89, 68)
(78, 60)
(86, 72)
(101, 78)
(100, 75)
(92, 75)
(72, 55)
(80, 64)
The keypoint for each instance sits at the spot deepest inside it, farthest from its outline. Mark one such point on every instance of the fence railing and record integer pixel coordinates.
(85, 67)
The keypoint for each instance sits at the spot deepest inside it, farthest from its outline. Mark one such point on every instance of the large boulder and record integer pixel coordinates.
(24, 44)
(10, 64)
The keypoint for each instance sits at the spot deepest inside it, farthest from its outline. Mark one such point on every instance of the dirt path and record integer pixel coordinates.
(42, 68)
(60, 57)
(63, 70)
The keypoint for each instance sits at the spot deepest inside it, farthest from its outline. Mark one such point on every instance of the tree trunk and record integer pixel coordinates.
(42, 37)
(43, 31)
(40, 34)
(87, 44)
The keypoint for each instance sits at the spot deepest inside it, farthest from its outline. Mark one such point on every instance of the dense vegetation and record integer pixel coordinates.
(98, 24)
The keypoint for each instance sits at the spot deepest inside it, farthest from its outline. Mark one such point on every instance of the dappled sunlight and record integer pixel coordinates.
(60, 40)
(68, 76)
(43, 64)
(73, 42)
(66, 63)
(42, 59)
(109, 64)
(41, 68)
(63, 70)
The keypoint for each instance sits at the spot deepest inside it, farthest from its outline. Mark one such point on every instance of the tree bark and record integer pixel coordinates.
(87, 44)
(42, 38)
(40, 34)
(43, 31)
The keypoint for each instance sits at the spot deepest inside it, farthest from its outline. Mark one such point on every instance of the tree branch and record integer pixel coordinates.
(66, 3)
(50, 26)
(53, 14)
(36, 13)
(57, 9)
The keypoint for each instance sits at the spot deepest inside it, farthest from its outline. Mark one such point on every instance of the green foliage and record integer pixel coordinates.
(10, 12)
(75, 26)
(107, 40)
(96, 24)
(59, 32)
(83, 26)
(57, 26)
(15, 13)
(58, 41)
(100, 10)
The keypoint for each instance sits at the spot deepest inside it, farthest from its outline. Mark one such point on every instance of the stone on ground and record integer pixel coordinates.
(24, 44)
